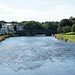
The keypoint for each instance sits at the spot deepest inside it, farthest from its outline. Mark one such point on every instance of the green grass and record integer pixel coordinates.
(2, 37)
(71, 33)
(66, 37)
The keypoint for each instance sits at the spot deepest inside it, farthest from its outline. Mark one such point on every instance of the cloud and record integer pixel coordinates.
(45, 2)
(7, 9)
(56, 14)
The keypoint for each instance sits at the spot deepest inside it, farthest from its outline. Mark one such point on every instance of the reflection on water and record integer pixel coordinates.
(25, 53)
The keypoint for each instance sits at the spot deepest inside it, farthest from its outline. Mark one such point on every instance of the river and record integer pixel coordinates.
(36, 56)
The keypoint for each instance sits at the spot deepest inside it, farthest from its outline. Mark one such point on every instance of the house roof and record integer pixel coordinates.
(15, 24)
(9, 24)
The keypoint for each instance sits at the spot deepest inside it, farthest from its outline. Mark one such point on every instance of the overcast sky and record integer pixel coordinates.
(38, 10)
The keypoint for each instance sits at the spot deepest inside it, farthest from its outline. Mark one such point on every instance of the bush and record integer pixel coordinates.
(65, 22)
(73, 28)
(6, 36)
(66, 29)
(2, 38)
(0, 26)
(32, 25)
(66, 39)
(59, 29)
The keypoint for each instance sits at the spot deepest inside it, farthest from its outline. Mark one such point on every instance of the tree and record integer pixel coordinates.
(45, 26)
(65, 22)
(32, 25)
(3, 22)
(0, 25)
(50, 25)
(72, 20)
(59, 29)
(54, 26)
(14, 22)
(73, 28)
(66, 29)
(15, 28)
(63, 25)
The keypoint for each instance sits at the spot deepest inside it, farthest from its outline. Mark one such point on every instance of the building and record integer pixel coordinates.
(18, 27)
(2, 31)
(8, 27)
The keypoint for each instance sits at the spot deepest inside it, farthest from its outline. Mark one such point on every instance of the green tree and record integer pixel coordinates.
(3, 21)
(65, 22)
(59, 29)
(73, 28)
(72, 19)
(66, 29)
(14, 22)
(50, 25)
(45, 26)
(54, 26)
(15, 28)
(32, 25)
(0, 25)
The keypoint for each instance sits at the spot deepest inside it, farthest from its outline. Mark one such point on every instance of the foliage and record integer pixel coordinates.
(65, 22)
(0, 26)
(54, 26)
(66, 29)
(50, 25)
(15, 28)
(73, 28)
(3, 22)
(45, 26)
(65, 25)
(72, 19)
(2, 38)
(70, 38)
(14, 22)
(70, 33)
(32, 25)
(59, 29)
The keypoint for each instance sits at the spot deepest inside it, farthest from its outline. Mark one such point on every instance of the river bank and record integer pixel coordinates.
(3, 37)
(70, 37)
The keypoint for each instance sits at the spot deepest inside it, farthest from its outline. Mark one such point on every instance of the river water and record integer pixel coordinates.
(36, 56)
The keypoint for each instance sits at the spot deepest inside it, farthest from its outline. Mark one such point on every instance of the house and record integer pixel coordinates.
(5, 28)
(18, 27)
(2, 31)
(8, 27)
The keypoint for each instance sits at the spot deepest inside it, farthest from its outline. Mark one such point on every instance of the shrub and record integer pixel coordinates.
(66, 29)
(59, 29)
(2, 38)
(66, 39)
(73, 28)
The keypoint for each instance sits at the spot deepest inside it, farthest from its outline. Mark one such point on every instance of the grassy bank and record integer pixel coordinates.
(66, 37)
(3, 37)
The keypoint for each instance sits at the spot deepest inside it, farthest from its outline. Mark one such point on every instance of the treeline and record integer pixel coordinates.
(64, 26)
(33, 25)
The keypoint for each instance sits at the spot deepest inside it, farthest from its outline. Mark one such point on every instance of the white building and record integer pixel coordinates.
(2, 31)
(5, 28)
(20, 28)
(8, 27)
